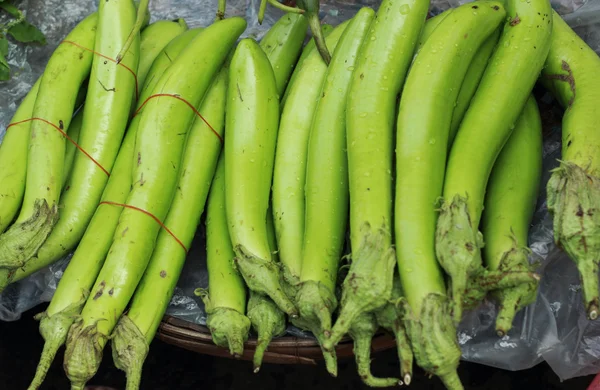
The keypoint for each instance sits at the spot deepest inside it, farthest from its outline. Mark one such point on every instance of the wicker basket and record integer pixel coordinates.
(282, 350)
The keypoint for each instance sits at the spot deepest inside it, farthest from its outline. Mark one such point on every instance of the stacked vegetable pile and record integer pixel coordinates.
(420, 138)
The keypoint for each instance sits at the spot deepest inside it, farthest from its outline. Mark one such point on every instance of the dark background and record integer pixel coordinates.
(172, 368)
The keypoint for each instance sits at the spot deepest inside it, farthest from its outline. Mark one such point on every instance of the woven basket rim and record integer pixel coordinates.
(282, 350)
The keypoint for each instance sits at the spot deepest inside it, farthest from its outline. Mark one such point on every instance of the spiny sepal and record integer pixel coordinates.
(574, 201)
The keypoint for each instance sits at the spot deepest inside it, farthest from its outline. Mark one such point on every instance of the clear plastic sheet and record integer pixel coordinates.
(554, 329)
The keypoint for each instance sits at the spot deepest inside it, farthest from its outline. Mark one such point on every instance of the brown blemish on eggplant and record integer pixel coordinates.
(514, 21)
(139, 159)
(61, 125)
(142, 181)
(111, 292)
(106, 89)
(163, 274)
(100, 290)
(566, 78)
(239, 92)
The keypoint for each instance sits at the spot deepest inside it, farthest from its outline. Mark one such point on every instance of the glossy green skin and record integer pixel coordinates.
(65, 72)
(473, 76)
(105, 118)
(153, 39)
(429, 26)
(424, 119)
(471, 82)
(289, 174)
(71, 149)
(326, 185)
(310, 46)
(157, 159)
(570, 58)
(378, 79)
(506, 84)
(198, 168)
(13, 160)
(227, 288)
(282, 45)
(252, 124)
(513, 188)
(307, 51)
(166, 57)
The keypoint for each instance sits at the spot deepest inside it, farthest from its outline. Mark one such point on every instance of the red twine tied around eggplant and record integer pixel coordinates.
(162, 225)
(64, 134)
(187, 103)
(111, 60)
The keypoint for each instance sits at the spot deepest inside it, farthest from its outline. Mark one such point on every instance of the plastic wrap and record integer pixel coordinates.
(554, 329)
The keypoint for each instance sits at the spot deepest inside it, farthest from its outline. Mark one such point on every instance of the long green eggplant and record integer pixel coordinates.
(289, 174)
(164, 124)
(13, 159)
(225, 301)
(135, 331)
(71, 148)
(77, 280)
(423, 128)
(105, 118)
(571, 73)
(510, 201)
(501, 95)
(153, 39)
(161, 62)
(282, 44)
(67, 69)
(252, 123)
(378, 78)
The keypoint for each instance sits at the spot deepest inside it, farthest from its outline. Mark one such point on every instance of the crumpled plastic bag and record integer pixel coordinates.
(554, 328)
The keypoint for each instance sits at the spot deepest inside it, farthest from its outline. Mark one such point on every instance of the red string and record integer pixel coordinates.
(64, 135)
(112, 60)
(186, 102)
(150, 215)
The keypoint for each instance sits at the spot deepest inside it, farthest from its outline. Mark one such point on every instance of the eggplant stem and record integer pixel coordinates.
(139, 22)
(285, 8)
(221, 9)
